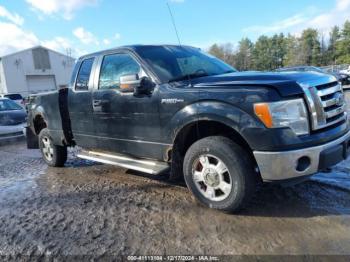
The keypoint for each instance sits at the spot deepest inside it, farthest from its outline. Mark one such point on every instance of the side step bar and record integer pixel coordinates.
(146, 166)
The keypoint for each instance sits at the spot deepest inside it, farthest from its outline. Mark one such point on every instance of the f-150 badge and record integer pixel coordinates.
(171, 101)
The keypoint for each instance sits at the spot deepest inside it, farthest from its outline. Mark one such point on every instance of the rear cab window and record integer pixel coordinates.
(83, 78)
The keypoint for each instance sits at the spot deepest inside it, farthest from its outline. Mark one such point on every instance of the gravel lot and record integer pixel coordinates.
(100, 210)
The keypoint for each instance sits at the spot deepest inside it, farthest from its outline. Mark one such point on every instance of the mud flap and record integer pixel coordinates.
(65, 118)
(32, 139)
(176, 171)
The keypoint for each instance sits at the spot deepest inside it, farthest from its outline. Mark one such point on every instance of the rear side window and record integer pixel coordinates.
(115, 66)
(14, 97)
(83, 78)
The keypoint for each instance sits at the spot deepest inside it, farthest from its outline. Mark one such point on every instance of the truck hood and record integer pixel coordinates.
(286, 83)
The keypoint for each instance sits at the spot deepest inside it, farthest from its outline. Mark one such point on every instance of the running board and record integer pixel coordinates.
(146, 166)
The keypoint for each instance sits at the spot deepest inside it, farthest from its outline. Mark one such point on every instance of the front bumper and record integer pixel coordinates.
(302, 162)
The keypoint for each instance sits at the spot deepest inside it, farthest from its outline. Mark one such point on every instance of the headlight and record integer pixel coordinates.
(289, 113)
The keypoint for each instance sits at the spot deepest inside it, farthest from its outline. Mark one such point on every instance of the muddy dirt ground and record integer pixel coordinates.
(87, 208)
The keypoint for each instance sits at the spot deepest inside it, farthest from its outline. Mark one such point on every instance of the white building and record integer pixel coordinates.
(34, 70)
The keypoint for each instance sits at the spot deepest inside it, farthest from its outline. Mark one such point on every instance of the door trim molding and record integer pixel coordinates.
(126, 140)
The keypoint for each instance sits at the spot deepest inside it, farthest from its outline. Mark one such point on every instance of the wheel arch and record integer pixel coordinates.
(203, 126)
(208, 113)
(39, 123)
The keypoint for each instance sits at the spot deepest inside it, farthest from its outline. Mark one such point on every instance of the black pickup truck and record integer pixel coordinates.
(177, 110)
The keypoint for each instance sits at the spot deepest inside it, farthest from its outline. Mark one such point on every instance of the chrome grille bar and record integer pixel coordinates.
(326, 104)
(336, 111)
(330, 102)
(329, 91)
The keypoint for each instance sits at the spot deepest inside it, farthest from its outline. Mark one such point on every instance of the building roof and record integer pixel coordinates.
(34, 47)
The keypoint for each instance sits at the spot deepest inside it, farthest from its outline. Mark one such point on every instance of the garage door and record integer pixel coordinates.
(41, 83)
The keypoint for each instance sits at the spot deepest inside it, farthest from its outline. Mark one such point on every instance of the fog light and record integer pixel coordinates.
(303, 163)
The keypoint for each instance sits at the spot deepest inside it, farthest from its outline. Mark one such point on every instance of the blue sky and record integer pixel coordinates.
(89, 25)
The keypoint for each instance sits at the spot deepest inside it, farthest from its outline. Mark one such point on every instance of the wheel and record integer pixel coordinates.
(220, 173)
(53, 155)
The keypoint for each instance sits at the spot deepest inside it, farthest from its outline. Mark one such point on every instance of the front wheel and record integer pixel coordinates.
(220, 173)
(53, 155)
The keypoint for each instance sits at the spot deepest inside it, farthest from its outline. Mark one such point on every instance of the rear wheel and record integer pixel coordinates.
(53, 155)
(220, 173)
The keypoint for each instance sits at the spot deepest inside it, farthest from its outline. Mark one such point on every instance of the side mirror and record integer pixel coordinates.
(145, 88)
(128, 83)
(132, 83)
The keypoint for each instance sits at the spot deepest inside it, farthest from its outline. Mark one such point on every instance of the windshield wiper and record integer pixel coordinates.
(188, 76)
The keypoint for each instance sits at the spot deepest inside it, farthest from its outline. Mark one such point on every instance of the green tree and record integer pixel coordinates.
(262, 57)
(343, 45)
(268, 53)
(243, 57)
(334, 36)
(217, 51)
(310, 47)
(224, 52)
(278, 48)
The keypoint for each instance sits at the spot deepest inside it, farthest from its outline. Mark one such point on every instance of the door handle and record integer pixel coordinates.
(101, 105)
(97, 103)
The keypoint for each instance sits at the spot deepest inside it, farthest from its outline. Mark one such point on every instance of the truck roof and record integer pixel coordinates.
(129, 47)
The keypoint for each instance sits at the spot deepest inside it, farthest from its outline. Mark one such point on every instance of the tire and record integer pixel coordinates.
(227, 172)
(53, 155)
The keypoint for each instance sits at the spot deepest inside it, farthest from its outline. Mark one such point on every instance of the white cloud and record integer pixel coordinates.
(177, 1)
(278, 26)
(14, 38)
(109, 41)
(106, 41)
(13, 17)
(57, 43)
(66, 8)
(342, 5)
(85, 36)
(322, 21)
(63, 45)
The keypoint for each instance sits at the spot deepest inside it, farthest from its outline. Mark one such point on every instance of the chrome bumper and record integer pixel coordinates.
(283, 165)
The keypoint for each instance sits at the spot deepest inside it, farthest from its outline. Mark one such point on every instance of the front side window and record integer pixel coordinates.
(113, 67)
(83, 78)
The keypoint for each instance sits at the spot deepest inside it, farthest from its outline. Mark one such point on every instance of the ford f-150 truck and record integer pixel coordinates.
(177, 110)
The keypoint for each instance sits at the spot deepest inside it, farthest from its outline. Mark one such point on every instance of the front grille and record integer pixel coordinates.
(326, 104)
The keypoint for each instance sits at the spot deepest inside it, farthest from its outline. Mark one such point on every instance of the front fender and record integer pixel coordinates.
(224, 113)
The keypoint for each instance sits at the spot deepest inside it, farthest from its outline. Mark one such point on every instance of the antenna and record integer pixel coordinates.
(174, 24)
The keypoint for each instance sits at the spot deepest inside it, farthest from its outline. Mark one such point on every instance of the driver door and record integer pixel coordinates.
(125, 123)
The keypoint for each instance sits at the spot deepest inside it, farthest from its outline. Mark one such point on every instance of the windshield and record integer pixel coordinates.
(6, 105)
(175, 63)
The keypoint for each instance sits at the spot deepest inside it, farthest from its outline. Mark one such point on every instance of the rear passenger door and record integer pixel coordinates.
(80, 104)
(125, 123)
